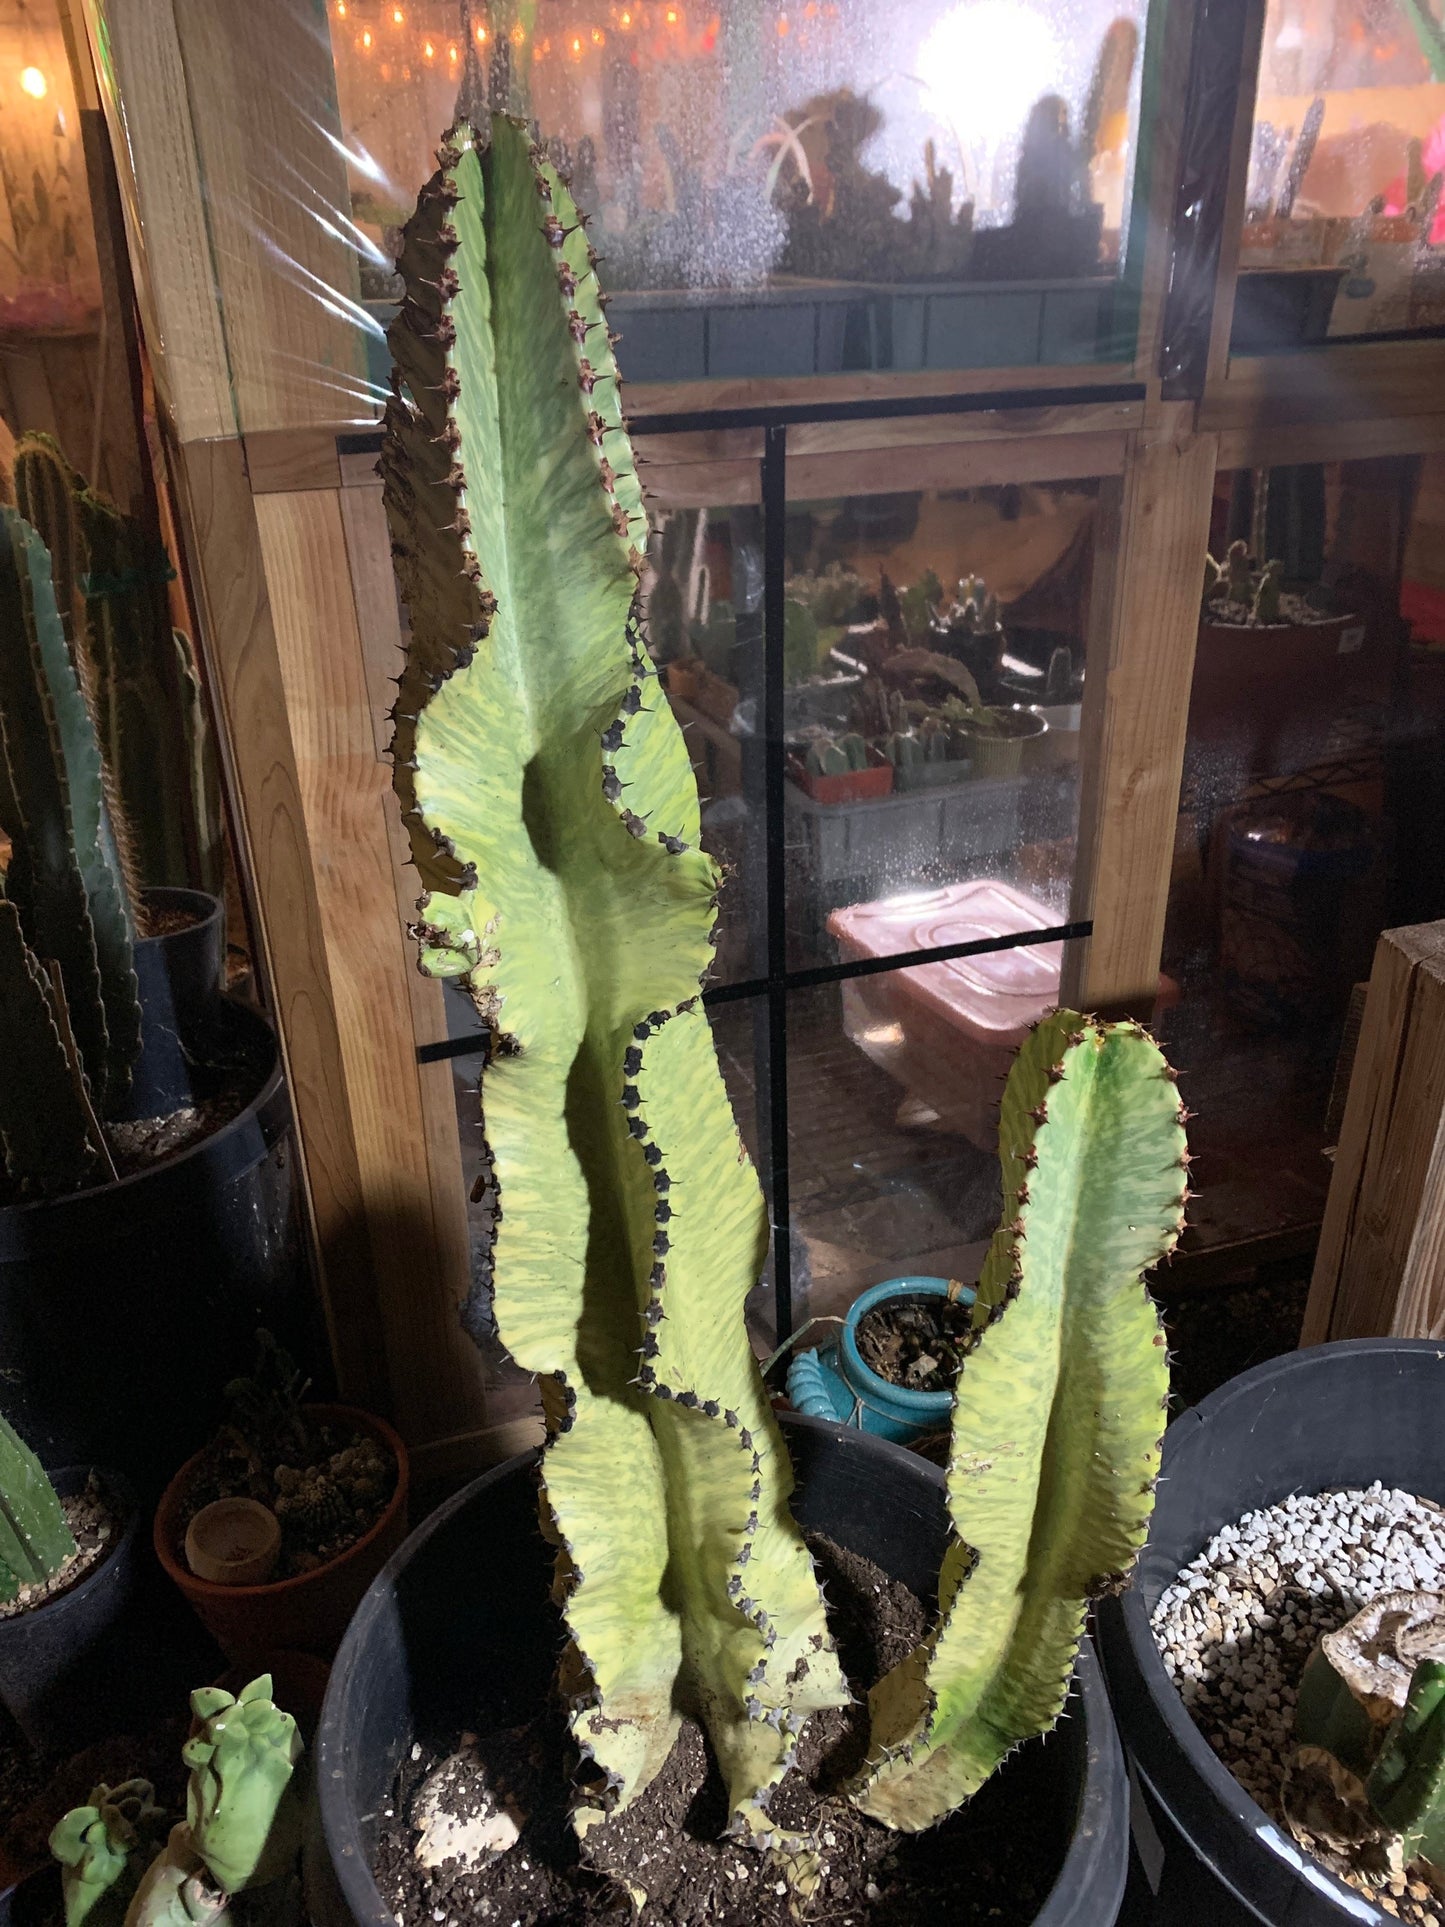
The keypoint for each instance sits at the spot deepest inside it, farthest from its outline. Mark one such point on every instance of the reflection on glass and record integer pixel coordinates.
(1309, 816)
(869, 152)
(702, 598)
(934, 661)
(49, 278)
(893, 1107)
(1345, 224)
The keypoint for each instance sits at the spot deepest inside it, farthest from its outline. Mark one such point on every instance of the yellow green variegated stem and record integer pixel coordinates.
(554, 820)
(1057, 1414)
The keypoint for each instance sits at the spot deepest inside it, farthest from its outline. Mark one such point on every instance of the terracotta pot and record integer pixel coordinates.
(853, 786)
(306, 1614)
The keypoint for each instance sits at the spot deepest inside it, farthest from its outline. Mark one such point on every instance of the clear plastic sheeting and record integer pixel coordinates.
(788, 188)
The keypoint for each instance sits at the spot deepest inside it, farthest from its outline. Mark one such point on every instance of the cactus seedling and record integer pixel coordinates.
(828, 756)
(243, 1804)
(102, 1848)
(1057, 1414)
(35, 1539)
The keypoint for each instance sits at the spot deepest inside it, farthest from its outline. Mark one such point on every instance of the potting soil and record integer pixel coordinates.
(968, 1870)
(917, 1343)
(96, 1525)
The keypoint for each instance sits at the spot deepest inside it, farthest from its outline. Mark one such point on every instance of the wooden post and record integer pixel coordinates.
(1149, 572)
(1380, 1269)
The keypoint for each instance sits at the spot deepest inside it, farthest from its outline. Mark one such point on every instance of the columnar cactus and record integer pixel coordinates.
(136, 671)
(67, 986)
(1057, 1413)
(1406, 1786)
(35, 1538)
(554, 821)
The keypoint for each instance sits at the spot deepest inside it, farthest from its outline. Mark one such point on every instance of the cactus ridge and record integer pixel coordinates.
(35, 1538)
(64, 875)
(1057, 1414)
(554, 821)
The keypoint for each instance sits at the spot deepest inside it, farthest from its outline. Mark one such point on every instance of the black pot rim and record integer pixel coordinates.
(240, 1143)
(1124, 1627)
(67, 1481)
(175, 897)
(1100, 1825)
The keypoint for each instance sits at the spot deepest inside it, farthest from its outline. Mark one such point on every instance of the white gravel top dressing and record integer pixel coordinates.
(1237, 1626)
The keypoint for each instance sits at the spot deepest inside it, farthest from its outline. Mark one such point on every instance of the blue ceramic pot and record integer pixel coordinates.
(834, 1383)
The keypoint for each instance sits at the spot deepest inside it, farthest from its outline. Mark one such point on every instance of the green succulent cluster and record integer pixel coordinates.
(554, 821)
(241, 1834)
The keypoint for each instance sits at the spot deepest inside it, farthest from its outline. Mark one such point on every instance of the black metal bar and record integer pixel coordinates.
(838, 973)
(793, 414)
(781, 414)
(775, 510)
(835, 973)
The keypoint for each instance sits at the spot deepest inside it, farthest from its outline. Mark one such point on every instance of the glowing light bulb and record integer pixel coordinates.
(518, 34)
(429, 51)
(599, 39)
(481, 36)
(988, 61)
(672, 16)
(366, 40)
(340, 9)
(627, 19)
(398, 18)
(451, 53)
(34, 83)
(576, 45)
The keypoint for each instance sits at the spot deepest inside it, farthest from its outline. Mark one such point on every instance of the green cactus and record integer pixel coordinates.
(1238, 576)
(836, 756)
(1057, 1413)
(102, 1848)
(137, 674)
(64, 875)
(903, 749)
(243, 1803)
(554, 821)
(1406, 1786)
(715, 639)
(1266, 597)
(801, 641)
(176, 1890)
(35, 1538)
(50, 1138)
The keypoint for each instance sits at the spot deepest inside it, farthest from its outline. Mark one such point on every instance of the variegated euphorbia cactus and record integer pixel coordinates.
(1057, 1413)
(554, 820)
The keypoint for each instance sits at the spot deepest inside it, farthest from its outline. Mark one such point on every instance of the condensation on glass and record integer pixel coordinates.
(788, 187)
(1345, 221)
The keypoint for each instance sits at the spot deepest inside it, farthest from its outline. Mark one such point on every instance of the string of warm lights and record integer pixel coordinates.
(383, 31)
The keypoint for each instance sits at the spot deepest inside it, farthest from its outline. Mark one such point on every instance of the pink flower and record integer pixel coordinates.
(1432, 158)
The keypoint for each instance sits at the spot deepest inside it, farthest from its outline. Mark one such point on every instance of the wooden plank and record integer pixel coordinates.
(283, 459)
(1146, 626)
(759, 391)
(378, 614)
(1050, 458)
(1380, 1268)
(269, 177)
(238, 639)
(434, 1372)
(1265, 444)
(137, 55)
(1156, 215)
(1350, 382)
(1240, 144)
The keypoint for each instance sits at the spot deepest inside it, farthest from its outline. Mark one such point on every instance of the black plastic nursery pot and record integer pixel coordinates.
(463, 1602)
(180, 977)
(125, 1309)
(60, 1661)
(32, 1902)
(1337, 1415)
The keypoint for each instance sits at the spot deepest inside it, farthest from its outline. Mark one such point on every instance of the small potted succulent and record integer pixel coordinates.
(893, 1367)
(842, 769)
(1274, 667)
(276, 1528)
(233, 1859)
(67, 1574)
(139, 1108)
